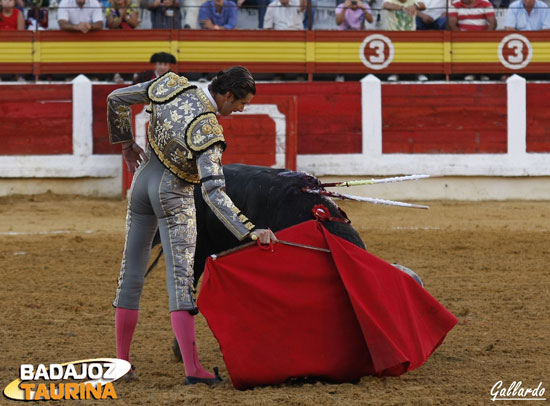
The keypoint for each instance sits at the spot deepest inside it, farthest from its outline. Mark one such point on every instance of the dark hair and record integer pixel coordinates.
(163, 57)
(237, 80)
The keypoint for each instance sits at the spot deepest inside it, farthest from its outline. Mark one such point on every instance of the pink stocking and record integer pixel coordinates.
(183, 325)
(125, 325)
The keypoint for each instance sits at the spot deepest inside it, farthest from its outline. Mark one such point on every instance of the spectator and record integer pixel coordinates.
(123, 14)
(218, 15)
(37, 15)
(472, 15)
(11, 18)
(285, 15)
(401, 16)
(162, 63)
(165, 14)
(528, 15)
(434, 17)
(314, 4)
(351, 15)
(80, 15)
(261, 5)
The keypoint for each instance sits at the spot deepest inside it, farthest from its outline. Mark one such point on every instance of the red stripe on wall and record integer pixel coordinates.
(254, 67)
(14, 68)
(242, 35)
(496, 36)
(16, 36)
(392, 68)
(107, 35)
(93, 67)
(533, 67)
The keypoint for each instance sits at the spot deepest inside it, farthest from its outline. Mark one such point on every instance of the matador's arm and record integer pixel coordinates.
(119, 114)
(213, 192)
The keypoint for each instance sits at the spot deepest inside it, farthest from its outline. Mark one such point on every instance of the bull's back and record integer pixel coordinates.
(269, 198)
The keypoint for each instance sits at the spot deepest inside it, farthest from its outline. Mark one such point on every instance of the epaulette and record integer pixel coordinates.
(167, 87)
(203, 132)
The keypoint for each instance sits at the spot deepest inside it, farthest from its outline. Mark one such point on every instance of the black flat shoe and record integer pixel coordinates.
(130, 375)
(192, 380)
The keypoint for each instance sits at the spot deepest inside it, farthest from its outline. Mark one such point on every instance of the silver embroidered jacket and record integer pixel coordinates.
(184, 134)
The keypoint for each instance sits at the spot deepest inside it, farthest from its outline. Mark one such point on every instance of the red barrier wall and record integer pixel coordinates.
(329, 115)
(36, 119)
(538, 119)
(417, 118)
(432, 119)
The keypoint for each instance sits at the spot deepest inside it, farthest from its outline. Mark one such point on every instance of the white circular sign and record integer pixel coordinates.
(382, 54)
(519, 52)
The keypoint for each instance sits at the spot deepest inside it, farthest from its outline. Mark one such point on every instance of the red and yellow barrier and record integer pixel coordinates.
(278, 51)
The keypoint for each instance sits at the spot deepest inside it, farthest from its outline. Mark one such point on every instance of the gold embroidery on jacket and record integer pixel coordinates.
(167, 87)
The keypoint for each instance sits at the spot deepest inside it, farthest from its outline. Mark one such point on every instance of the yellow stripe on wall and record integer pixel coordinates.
(471, 52)
(541, 52)
(253, 51)
(348, 52)
(15, 52)
(101, 51)
(245, 51)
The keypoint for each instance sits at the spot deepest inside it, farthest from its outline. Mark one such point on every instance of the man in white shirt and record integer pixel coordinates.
(434, 17)
(528, 15)
(285, 15)
(80, 15)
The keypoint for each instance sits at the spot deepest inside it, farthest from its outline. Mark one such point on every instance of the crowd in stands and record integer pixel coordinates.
(394, 15)
(397, 15)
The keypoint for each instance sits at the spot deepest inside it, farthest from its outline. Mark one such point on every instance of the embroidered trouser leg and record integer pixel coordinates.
(159, 197)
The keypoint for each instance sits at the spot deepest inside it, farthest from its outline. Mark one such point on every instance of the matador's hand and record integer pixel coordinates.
(265, 235)
(133, 154)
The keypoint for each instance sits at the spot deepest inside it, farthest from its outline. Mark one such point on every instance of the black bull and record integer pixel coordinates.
(269, 198)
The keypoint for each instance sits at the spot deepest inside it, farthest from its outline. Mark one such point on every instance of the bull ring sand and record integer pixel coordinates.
(487, 262)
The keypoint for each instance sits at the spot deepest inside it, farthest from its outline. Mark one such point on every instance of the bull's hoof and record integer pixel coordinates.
(409, 272)
(193, 380)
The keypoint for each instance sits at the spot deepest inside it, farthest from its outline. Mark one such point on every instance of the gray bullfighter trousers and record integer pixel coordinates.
(157, 197)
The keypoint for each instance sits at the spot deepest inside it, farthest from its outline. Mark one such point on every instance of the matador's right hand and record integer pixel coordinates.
(133, 154)
(265, 235)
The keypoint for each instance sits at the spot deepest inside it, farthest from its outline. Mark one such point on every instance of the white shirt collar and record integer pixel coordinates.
(209, 95)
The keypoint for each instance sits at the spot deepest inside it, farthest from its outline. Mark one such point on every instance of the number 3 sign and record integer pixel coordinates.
(515, 51)
(376, 51)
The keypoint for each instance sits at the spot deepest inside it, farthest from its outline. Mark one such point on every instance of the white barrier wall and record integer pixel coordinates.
(513, 175)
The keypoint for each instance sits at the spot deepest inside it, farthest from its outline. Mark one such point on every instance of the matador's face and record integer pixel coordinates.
(231, 104)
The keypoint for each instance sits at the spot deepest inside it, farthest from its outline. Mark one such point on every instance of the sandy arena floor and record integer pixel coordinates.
(486, 262)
